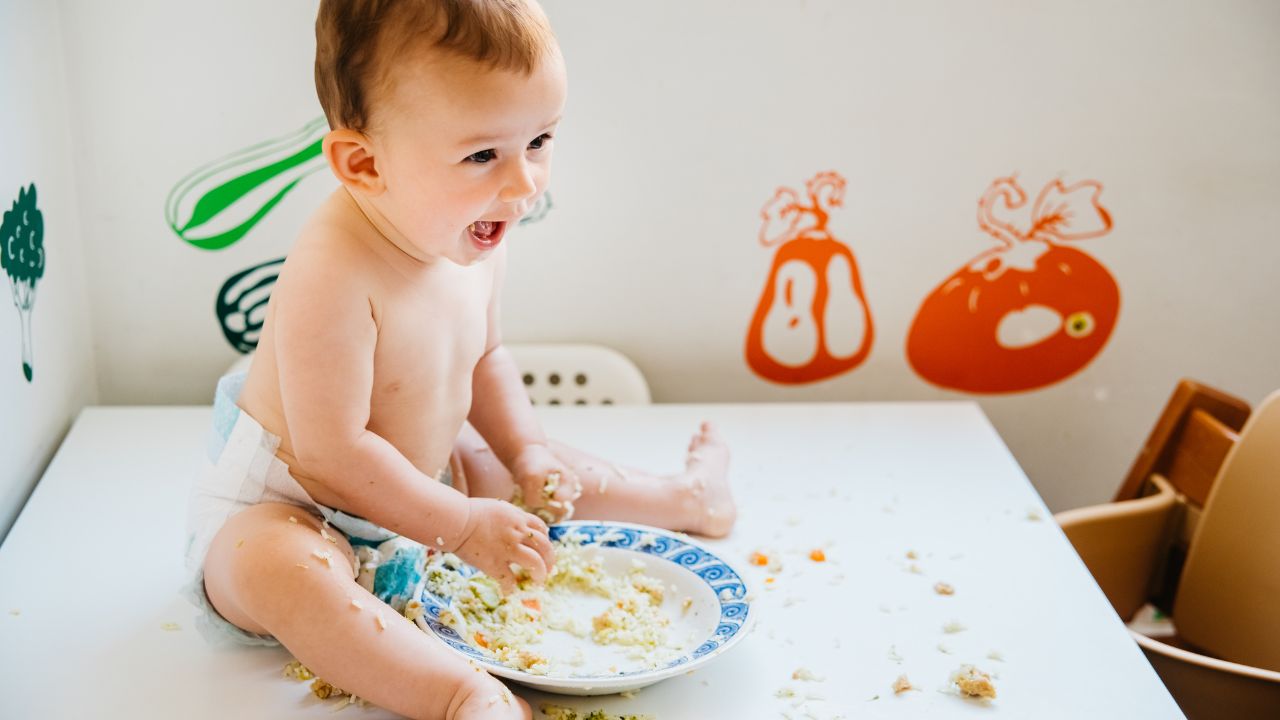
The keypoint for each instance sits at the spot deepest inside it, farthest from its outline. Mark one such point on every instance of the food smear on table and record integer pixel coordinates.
(584, 622)
(1027, 313)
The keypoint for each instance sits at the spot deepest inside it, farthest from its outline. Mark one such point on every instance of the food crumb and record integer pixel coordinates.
(954, 626)
(356, 604)
(15, 612)
(902, 684)
(817, 555)
(944, 649)
(785, 692)
(1033, 514)
(293, 520)
(915, 569)
(240, 543)
(382, 624)
(995, 655)
(297, 671)
(973, 682)
(944, 589)
(171, 626)
(440, 541)
(893, 654)
(628, 694)
(304, 566)
(912, 555)
(806, 675)
(324, 557)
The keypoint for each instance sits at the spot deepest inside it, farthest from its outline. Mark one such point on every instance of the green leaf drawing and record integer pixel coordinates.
(217, 204)
(22, 255)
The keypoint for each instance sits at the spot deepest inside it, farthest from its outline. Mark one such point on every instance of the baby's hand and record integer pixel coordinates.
(499, 535)
(546, 486)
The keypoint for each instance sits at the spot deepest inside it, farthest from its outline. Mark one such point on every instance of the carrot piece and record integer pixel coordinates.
(482, 641)
(817, 555)
(532, 604)
(758, 558)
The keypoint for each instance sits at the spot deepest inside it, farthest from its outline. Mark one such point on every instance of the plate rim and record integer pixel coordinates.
(640, 678)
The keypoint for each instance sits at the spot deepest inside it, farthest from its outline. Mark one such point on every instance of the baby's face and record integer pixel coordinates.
(464, 150)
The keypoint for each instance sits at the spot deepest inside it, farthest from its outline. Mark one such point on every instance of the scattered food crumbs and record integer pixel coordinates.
(817, 555)
(684, 606)
(304, 566)
(807, 675)
(293, 520)
(912, 555)
(914, 568)
(785, 692)
(440, 541)
(171, 626)
(954, 626)
(893, 654)
(995, 655)
(759, 558)
(298, 671)
(356, 604)
(902, 684)
(325, 557)
(1034, 515)
(873, 697)
(240, 543)
(382, 624)
(942, 648)
(628, 694)
(973, 682)
(944, 589)
(557, 712)
(327, 536)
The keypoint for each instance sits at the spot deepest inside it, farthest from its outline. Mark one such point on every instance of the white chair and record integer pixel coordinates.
(570, 374)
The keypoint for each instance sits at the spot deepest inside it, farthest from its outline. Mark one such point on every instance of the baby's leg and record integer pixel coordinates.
(264, 575)
(696, 500)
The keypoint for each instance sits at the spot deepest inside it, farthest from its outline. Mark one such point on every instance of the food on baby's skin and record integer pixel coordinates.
(973, 682)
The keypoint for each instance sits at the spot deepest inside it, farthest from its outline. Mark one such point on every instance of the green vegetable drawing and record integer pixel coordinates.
(241, 306)
(218, 203)
(22, 255)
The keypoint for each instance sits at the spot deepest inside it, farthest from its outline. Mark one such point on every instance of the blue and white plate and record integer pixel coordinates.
(719, 612)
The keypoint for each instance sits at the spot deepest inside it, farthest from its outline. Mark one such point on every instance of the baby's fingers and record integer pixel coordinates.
(531, 564)
(541, 544)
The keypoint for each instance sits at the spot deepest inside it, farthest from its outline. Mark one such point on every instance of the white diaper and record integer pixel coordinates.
(243, 471)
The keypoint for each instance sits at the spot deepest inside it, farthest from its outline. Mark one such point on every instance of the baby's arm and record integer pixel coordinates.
(325, 334)
(501, 413)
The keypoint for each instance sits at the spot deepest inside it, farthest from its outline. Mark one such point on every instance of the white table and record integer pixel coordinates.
(93, 566)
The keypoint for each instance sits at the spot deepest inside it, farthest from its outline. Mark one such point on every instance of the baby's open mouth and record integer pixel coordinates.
(486, 233)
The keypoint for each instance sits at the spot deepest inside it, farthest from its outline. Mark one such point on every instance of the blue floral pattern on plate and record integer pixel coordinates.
(729, 588)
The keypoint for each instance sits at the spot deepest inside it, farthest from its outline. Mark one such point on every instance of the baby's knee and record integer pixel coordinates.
(259, 545)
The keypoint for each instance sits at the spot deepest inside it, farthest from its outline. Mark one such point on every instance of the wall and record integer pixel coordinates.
(683, 119)
(35, 412)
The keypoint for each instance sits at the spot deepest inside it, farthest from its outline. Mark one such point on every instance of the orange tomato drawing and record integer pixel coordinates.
(812, 321)
(1028, 313)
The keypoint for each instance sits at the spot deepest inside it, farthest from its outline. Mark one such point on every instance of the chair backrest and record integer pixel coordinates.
(1189, 441)
(568, 374)
(1124, 543)
(1228, 600)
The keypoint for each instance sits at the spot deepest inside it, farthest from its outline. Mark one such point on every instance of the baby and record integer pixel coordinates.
(382, 413)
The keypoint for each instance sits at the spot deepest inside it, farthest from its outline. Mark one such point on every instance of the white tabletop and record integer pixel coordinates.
(90, 572)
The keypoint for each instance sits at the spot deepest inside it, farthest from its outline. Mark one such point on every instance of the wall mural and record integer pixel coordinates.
(1029, 312)
(812, 321)
(22, 255)
(218, 203)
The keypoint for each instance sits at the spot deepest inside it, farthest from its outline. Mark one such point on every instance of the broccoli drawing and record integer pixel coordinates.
(22, 255)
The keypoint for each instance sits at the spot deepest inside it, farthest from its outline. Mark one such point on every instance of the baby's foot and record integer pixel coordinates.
(491, 700)
(709, 503)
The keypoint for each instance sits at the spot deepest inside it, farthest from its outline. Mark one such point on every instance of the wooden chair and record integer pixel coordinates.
(1228, 665)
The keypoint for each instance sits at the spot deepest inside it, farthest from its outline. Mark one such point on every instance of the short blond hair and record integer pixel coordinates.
(356, 39)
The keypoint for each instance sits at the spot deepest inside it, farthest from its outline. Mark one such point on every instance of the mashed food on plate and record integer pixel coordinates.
(626, 613)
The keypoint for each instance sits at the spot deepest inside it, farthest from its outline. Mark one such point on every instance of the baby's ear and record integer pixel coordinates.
(350, 155)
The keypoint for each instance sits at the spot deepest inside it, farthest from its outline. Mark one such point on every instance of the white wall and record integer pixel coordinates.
(685, 116)
(37, 144)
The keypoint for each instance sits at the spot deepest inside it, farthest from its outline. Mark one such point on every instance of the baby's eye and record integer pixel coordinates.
(539, 141)
(482, 157)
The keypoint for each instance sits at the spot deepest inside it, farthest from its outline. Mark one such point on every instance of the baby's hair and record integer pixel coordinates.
(357, 39)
